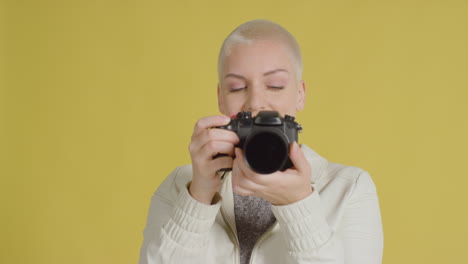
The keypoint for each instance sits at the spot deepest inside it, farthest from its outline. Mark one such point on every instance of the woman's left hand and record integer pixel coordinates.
(279, 188)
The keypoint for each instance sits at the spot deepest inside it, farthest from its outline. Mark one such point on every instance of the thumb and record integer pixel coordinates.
(298, 159)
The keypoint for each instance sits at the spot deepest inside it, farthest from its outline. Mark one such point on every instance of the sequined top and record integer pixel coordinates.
(253, 218)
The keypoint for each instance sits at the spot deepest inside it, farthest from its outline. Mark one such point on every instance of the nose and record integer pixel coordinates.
(256, 100)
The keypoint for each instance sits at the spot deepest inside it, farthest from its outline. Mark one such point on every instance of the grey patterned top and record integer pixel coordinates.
(253, 218)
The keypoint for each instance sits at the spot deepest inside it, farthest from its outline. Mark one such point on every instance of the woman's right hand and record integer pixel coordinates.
(206, 143)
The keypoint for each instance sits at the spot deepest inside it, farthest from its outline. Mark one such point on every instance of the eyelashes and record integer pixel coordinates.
(274, 88)
(234, 90)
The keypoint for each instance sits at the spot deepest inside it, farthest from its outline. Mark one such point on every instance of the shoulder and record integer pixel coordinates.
(354, 178)
(342, 179)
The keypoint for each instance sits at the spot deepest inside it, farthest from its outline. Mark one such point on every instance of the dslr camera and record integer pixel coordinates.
(265, 139)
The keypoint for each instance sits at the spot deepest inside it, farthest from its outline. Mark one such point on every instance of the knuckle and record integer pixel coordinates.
(211, 145)
(191, 148)
(199, 124)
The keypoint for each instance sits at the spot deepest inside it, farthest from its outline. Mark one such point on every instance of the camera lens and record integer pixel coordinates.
(266, 152)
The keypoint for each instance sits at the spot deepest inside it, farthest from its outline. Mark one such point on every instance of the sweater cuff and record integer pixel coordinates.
(191, 221)
(303, 223)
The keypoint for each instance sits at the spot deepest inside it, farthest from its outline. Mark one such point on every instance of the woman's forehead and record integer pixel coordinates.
(258, 57)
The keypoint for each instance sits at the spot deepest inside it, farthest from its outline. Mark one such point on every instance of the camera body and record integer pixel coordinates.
(265, 139)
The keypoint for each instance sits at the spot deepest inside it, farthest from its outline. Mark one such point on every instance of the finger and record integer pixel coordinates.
(298, 159)
(223, 135)
(255, 178)
(215, 134)
(243, 164)
(209, 122)
(240, 162)
(198, 141)
(221, 163)
(249, 185)
(241, 191)
(237, 182)
(212, 148)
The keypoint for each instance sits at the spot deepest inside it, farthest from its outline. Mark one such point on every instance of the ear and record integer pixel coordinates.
(301, 96)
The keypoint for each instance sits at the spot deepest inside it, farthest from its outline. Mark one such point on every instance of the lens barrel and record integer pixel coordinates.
(266, 151)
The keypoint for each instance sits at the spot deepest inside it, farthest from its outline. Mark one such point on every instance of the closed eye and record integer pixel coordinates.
(233, 90)
(276, 87)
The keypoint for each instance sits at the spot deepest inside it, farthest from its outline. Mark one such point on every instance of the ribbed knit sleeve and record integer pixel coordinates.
(190, 222)
(178, 226)
(357, 238)
(303, 223)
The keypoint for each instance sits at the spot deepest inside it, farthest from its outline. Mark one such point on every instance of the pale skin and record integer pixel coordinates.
(255, 77)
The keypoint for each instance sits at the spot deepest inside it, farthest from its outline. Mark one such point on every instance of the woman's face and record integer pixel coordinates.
(260, 76)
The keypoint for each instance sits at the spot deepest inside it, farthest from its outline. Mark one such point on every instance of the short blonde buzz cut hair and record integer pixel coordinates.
(260, 29)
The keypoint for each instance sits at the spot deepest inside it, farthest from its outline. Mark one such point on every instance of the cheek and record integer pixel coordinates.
(233, 103)
(285, 103)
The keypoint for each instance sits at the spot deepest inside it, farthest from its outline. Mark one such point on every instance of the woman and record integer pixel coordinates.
(315, 212)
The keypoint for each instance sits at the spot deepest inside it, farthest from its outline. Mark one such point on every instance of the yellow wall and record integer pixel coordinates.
(99, 98)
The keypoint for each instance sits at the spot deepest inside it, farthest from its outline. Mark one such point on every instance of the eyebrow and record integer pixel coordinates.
(265, 74)
(275, 71)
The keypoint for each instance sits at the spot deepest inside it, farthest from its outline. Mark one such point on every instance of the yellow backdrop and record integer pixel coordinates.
(98, 100)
